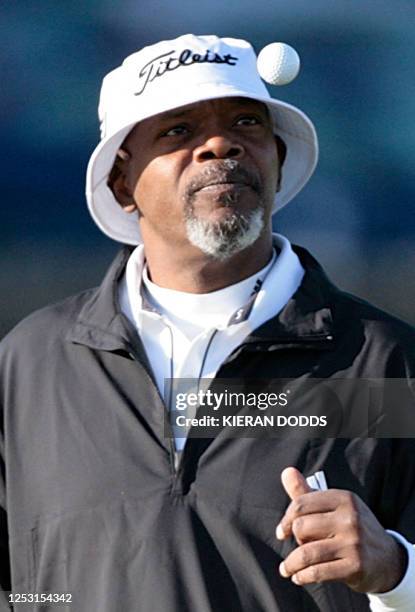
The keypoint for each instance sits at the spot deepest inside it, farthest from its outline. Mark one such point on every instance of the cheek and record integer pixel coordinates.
(148, 186)
(270, 168)
(157, 182)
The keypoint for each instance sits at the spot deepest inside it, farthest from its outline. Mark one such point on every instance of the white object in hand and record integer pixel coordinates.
(278, 63)
(317, 481)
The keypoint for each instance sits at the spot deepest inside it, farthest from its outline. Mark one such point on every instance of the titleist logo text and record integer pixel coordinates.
(168, 61)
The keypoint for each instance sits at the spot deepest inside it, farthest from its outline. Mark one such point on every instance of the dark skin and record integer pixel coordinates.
(165, 154)
(338, 537)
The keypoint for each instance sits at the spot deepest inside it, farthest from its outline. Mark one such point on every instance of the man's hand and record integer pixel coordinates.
(339, 539)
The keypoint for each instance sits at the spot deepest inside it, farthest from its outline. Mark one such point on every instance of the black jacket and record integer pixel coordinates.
(90, 495)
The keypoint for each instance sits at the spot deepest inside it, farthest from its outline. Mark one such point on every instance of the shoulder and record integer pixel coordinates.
(348, 309)
(363, 332)
(383, 338)
(45, 326)
(351, 310)
(381, 344)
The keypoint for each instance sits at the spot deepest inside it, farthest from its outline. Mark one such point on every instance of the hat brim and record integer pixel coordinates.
(291, 124)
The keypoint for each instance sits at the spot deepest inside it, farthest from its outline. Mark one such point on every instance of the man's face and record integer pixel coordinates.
(204, 175)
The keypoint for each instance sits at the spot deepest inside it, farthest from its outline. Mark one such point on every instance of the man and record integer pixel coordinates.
(100, 505)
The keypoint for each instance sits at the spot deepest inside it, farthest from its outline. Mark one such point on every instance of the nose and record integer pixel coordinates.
(218, 146)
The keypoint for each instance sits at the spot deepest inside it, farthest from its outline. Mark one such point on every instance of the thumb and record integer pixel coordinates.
(294, 483)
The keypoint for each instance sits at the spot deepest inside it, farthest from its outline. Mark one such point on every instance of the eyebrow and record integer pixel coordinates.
(176, 114)
(181, 112)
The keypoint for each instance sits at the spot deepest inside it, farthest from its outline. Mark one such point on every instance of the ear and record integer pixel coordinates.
(282, 152)
(118, 184)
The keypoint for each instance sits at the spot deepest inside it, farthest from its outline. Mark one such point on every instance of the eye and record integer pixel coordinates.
(249, 120)
(176, 130)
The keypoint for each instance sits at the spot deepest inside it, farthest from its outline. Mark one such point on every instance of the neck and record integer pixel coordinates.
(192, 271)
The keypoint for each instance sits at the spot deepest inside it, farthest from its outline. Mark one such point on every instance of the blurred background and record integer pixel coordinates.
(357, 83)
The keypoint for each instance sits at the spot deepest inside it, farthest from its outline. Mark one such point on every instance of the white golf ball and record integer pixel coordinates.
(278, 63)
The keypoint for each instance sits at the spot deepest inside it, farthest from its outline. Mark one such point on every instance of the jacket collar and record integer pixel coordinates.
(100, 323)
(306, 317)
(308, 314)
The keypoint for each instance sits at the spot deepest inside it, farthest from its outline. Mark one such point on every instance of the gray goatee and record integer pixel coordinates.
(222, 239)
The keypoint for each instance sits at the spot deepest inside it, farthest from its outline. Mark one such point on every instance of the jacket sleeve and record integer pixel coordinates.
(402, 597)
(5, 579)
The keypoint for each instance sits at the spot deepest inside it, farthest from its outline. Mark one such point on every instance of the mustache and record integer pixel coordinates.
(223, 171)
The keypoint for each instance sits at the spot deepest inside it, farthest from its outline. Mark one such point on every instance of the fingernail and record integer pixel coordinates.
(283, 571)
(279, 532)
(295, 579)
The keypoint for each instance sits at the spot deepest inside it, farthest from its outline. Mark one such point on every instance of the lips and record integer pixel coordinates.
(216, 177)
(223, 184)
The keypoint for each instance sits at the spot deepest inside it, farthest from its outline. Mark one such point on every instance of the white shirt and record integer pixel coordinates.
(183, 325)
(187, 335)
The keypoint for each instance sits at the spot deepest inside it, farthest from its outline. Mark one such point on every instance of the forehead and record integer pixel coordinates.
(220, 104)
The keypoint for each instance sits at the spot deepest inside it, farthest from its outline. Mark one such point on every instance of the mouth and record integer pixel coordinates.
(223, 179)
(223, 186)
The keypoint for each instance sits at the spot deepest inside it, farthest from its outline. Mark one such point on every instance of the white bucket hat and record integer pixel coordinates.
(175, 73)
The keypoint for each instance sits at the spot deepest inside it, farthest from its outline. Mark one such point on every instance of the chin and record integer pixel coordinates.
(229, 233)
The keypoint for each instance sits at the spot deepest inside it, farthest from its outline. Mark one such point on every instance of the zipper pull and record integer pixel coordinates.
(177, 460)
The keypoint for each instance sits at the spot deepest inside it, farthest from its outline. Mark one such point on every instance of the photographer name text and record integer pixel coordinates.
(243, 420)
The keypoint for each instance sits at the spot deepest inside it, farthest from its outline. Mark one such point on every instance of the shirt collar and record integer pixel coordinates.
(214, 308)
(231, 305)
(101, 323)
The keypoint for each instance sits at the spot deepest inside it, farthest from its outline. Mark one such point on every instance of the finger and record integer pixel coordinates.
(294, 482)
(316, 502)
(308, 555)
(295, 486)
(323, 572)
(314, 527)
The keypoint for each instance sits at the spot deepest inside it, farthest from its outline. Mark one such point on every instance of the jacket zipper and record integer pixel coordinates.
(173, 454)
